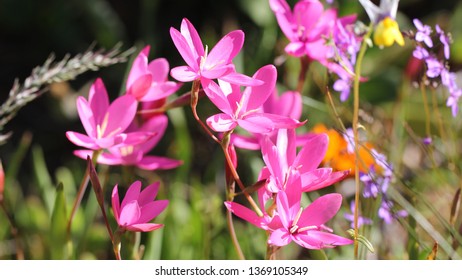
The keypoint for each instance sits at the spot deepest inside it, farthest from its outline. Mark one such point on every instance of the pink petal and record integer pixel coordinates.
(217, 96)
(256, 123)
(189, 55)
(139, 67)
(254, 97)
(157, 124)
(115, 203)
(98, 99)
(160, 91)
(285, 18)
(314, 239)
(159, 69)
(324, 26)
(265, 123)
(312, 153)
(155, 163)
(221, 122)
(144, 227)
(289, 105)
(245, 142)
(86, 116)
(184, 74)
(81, 140)
(110, 159)
(244, 213)
(284, 209)
(318, 50)
(320, 178)
(83, 154)
(217, 72)
(272, 159)
(140, 86)
(120, 114)
(280, 237)
(132, 193)
(129, 213)
(152, 210)
(241, 79)
(192, 37)
(307, 14)
(148, 194)
(321, 210)
(225, 50)
(296, 49)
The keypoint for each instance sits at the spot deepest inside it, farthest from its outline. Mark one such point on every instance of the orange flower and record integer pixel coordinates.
(339, 158)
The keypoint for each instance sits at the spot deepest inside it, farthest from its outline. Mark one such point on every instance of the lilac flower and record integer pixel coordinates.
(420, 53)
(445, 40)
(385, 212)
(434, 67)
(350, 217)
(423, 33)
(427, 141)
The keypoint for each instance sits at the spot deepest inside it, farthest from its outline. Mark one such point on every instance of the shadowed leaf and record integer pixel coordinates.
(455, 207)
(58, 225)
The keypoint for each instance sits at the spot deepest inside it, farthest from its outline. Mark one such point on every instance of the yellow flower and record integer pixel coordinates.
(387, 33)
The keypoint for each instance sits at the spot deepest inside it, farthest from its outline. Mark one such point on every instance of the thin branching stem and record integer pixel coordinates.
(357, 76)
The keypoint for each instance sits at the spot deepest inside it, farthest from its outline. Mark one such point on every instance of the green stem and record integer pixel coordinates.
(13, 229)
(357, 76)
(194, 100)
(117, 244)
(81, 192)
(305, 64)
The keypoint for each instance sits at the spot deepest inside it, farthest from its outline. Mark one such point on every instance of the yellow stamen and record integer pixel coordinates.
(126, 150)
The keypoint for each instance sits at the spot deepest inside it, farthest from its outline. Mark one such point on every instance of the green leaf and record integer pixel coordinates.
(58, 238)
(363, 240)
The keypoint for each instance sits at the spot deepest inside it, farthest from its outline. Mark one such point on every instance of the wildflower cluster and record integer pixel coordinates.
(435, 57)
(294, 197)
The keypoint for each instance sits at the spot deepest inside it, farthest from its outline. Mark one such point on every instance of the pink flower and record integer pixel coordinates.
(249, 215)
(289, 104)
(283, 163)
(138, 207)
(244, 109)
(148, 82)
(306, 27)
(203, 65)
(136, 155)
(305, 226)
(105, 123)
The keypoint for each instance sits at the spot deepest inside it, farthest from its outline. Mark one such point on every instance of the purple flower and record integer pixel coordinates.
(386, 213)
(434, 67)
(420, 53)
(423, 33)
(427, 141)
(444, 39)
(351, 216)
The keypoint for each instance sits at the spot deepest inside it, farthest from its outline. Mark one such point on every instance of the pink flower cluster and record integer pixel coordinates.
(115, 129)
(270, 122)
(322, 36)
(117, 135)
